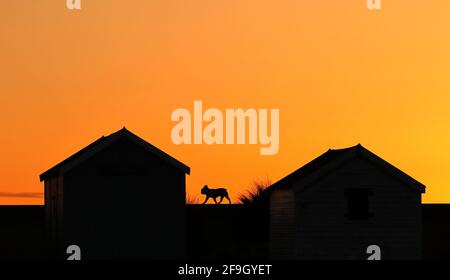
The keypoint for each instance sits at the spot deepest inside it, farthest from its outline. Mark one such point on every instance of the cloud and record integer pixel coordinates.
(22, 194)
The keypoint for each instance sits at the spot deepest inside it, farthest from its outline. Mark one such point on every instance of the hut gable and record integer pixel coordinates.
(334, 159)
(101, 144)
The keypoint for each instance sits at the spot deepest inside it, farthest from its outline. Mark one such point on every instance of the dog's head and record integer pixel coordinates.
(205, 189)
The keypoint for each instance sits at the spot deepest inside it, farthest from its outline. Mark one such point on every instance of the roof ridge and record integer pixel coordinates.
(357, 146)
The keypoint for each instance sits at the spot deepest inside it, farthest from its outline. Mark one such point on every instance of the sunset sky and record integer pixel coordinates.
(339, 73)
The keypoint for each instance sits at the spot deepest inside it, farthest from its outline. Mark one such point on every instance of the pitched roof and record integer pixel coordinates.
(338, 157)
(101, 144)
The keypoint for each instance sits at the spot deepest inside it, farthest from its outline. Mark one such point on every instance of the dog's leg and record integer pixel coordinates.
(215, 200)
(228, 199)
(206, 199)
(221, 198)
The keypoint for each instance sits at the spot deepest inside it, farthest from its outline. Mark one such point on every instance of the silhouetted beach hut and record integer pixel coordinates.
(118, 198)
(340, 203)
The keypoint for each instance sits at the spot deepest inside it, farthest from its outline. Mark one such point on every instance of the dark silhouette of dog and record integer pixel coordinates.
(215, 193)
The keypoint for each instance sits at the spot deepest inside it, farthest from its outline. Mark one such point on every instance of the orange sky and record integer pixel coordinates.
(339, 73)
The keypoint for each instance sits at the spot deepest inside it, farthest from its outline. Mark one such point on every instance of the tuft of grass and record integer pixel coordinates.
(190, 199)
(256, 193)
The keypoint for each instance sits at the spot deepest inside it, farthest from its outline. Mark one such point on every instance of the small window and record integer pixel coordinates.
(358, 204)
